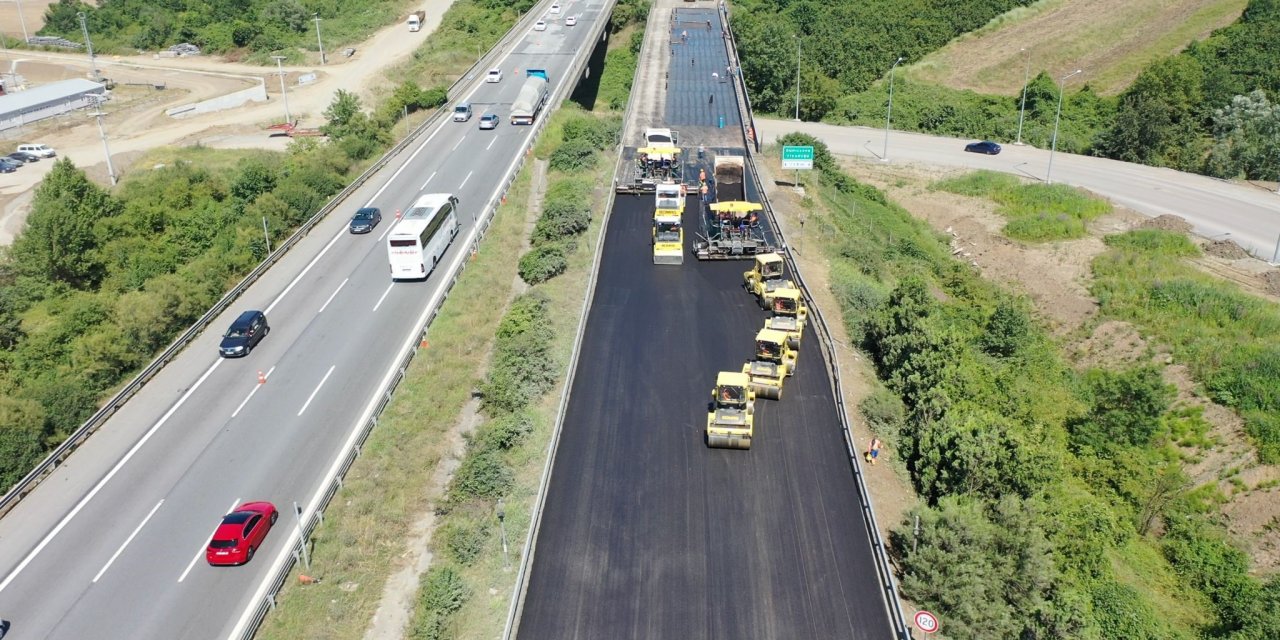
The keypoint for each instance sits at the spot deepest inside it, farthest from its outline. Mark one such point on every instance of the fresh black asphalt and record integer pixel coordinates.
(699, 92)
(647, 533)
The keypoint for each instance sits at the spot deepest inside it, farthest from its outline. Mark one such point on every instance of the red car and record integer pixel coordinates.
(241, 533)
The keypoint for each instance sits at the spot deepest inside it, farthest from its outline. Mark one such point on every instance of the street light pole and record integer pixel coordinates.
(502, 516)
(26, 38)
(284, 92)
(888, 115)
(84, 26)
(797, 78)
(319, 42)
(97, 103)
(1026, 77)
(1048, 176)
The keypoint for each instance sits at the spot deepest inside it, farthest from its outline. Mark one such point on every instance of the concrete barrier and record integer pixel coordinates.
(228, 101)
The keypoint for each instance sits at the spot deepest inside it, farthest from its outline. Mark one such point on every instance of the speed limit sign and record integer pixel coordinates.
(927, 622)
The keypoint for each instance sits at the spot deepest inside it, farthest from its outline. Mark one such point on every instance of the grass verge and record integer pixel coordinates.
(1037, 212)
(1230, 339)
(369, 520)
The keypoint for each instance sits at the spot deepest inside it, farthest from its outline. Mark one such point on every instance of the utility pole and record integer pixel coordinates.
(1048, 176)
(888, 116)
(284, 92)
(97, 113)
(93, 63)
(26, 38)
(1026, 77)
(319, 42)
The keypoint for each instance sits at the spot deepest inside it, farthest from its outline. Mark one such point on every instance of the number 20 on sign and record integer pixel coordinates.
(926, 622)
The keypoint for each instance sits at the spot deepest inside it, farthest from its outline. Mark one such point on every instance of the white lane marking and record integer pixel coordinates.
(256, 386)
(107, 478)
(458, 143)
(386, 231)
(384, 296)
(333, 295)
(299, 277)
(204, 546)
(404, 166)
(464, 180)
(495, 139)
(317, 390)
(424, 185)
(127, 541)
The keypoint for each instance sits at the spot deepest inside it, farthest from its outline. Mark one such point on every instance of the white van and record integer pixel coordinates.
(462, 112)
(37, 149)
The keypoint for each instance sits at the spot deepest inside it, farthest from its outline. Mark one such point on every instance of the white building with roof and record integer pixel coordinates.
(46, 101)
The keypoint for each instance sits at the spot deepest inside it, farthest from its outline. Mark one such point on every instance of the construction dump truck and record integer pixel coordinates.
(731, 227)
(415, 20)
(730, 414)
(532, 97)
(789, 315)
(652, 166)
(773, 346)
(668, 234)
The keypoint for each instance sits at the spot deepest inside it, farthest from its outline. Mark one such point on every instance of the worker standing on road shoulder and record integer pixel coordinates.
(873, 450)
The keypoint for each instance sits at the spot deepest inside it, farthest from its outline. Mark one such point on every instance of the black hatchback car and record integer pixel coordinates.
(986, 146)
(244, 334)
(365, 220)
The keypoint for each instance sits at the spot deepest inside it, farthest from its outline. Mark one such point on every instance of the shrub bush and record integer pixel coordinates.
(482, 475)
(464, 539)
(543, 263)
(574, 155)
(504, 432)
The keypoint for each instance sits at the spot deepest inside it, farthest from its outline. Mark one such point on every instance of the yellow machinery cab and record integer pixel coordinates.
(730, 416)
(789, 315)
(774, 346)
(668, 232)
(767, 275)
(766, 378)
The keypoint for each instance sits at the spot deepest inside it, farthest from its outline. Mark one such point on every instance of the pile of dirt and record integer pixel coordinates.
(1225, 249)
(1271, 282)
(1168, 222)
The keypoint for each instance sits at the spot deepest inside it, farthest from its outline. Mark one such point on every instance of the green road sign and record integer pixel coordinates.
(797, 157)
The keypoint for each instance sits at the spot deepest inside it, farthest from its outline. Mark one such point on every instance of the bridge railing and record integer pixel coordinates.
(884, 570)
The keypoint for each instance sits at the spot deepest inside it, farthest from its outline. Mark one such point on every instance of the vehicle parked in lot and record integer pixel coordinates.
(540, 25)
(240, 533)
(37, 149)
(570, 21)
(14, 161)
(489, 121)
(24, 156)
(365, 220)
(494, 75)
(462, 112)
(244, 334)
(7, 167)
(986, 146)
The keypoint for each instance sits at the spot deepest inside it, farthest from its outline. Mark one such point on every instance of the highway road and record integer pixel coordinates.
(646, 532)
(112, 545)
(1214, 207)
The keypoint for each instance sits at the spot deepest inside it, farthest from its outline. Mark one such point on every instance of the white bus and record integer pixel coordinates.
(419, 240)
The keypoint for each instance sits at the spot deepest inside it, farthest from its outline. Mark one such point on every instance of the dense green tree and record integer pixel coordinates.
(59, 244)
(1125, 408)
(21, 438)
(1007, 330)
(1246, 138)
(1157, 122)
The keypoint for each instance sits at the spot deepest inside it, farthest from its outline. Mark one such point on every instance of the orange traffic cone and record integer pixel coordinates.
(397, 214)
(262, 377)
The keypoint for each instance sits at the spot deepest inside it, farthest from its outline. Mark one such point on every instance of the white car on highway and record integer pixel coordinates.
(570, 21)
(540, 25)
(555, 8)
(494, 75)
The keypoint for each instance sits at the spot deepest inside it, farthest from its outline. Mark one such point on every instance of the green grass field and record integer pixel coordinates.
(1037, 212)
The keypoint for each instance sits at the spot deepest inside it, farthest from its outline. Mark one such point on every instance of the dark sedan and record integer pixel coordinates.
(986, 146)
(23, 156)
(365, 220)
(7, 166)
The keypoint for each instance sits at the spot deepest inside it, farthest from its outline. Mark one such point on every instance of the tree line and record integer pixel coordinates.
(1210, 109)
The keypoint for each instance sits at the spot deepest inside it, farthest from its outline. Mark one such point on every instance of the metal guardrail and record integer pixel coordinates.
(314, 514)
(879, 551)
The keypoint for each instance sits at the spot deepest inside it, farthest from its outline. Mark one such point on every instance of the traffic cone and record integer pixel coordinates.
(424, 344)
(397, 214)
(262, 377)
